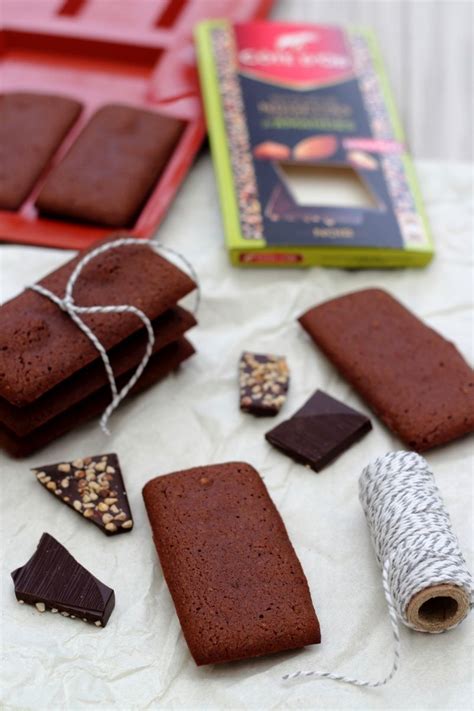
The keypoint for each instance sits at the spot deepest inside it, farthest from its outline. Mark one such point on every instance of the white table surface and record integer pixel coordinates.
(140, 660)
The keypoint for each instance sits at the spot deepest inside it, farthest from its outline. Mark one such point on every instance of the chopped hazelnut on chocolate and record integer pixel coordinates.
(95, 489)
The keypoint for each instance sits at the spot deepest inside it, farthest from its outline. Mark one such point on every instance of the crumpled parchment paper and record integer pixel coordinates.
(140, 660)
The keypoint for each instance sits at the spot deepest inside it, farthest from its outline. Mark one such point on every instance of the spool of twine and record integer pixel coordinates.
(426, 581)
(412, 535)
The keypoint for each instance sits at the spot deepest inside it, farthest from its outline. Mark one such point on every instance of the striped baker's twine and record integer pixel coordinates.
(413, 540)
(68, 305)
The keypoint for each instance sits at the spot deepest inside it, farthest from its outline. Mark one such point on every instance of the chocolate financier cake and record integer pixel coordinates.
(32, 127)
(110, 170)
(124, 357)
(52, 376)
(235, 579)
(160, 365)
(414, 379)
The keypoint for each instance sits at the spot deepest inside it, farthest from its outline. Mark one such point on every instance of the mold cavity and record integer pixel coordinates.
(170, 14)
(327, 186)
(438, 609)
(71, 7)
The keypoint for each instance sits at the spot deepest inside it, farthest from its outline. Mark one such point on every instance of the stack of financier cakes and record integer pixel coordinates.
(51, 375)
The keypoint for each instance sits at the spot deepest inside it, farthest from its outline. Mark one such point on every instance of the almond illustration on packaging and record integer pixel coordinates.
(363, 160)
(272, 150)
(315, 148)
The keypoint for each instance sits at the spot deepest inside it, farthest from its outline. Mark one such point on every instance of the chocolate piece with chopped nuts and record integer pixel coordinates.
(53, 580)
(318, 432)
(92, 486)
(263, 382)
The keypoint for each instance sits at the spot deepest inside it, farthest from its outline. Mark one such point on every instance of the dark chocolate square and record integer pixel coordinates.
(53, 580)
(319, 431)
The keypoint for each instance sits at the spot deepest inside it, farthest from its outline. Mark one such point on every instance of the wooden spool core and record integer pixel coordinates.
(437, 608)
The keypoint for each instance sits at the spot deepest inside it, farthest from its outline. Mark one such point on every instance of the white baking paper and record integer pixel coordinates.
(140, 660)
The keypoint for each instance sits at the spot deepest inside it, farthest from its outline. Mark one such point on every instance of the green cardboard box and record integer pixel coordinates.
(310, 158)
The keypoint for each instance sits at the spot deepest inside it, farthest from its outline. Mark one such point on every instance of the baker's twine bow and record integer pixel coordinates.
(68, 305)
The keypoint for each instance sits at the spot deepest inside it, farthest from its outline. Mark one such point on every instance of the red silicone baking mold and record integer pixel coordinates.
(138, 52)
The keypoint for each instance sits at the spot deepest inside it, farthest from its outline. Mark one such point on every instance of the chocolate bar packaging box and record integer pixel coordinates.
(311, 162)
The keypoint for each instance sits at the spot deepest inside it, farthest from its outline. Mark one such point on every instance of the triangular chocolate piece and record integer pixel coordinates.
(94, 488)
(319, 431)
(53, 580)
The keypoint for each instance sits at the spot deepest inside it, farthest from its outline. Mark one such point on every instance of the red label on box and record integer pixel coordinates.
(298, 55)
(270, 258)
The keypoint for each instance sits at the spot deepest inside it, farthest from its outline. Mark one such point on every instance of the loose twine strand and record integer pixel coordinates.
(413, 540)
(68, 305)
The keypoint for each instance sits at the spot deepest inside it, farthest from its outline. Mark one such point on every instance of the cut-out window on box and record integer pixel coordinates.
(327, 186)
